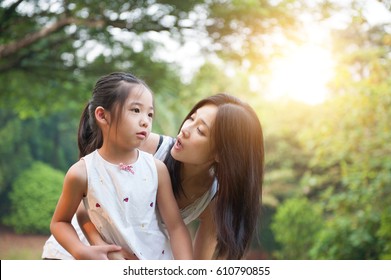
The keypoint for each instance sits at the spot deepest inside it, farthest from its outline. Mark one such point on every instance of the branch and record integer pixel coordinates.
(13, 47)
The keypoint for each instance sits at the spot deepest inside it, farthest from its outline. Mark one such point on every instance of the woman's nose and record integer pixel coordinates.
(185, 132)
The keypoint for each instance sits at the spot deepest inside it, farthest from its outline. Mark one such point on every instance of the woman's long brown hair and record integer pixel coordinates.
(238, 139)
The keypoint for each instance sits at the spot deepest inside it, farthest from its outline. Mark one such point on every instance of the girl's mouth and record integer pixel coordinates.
(142, 134)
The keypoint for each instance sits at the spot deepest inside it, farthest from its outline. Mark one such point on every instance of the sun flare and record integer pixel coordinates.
(302, 74)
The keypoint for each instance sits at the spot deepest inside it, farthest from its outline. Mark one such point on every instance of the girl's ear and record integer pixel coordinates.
(101, 115)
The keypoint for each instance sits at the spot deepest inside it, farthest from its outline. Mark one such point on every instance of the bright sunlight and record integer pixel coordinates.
(302, 75)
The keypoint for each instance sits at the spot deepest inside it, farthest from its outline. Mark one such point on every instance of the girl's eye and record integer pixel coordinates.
(136, 110)
(150, 115)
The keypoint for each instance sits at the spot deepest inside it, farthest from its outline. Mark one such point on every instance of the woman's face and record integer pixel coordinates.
(194, 144)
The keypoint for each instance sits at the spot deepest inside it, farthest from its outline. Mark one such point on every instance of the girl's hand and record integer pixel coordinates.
(98, 252)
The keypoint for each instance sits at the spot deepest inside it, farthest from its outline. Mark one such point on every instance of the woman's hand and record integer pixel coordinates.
(121, 255)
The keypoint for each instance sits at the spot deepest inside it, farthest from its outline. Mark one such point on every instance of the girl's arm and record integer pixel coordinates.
(74, 187)
(180, 239)
(205, 238)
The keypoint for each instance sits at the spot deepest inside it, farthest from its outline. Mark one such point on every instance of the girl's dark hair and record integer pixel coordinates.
(238, 139)
(110, 92)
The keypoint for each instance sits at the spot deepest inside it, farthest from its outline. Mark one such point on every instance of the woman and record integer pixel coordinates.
(216, 168)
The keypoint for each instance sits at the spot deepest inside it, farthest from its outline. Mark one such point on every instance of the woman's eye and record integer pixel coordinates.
(200, 132)
(150, 115)
(136, 110)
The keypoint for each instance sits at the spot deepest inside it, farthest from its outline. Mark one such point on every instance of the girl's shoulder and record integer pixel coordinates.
(77, 174)
(78, 168)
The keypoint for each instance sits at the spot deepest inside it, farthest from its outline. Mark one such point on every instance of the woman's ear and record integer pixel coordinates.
(101, 115)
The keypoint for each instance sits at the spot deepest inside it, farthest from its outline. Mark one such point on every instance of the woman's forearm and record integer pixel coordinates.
(88, 228)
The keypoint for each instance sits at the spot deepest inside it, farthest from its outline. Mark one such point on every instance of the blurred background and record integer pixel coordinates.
(316, 72)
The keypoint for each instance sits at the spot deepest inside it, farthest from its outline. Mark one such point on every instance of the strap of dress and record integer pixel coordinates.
(160, 142)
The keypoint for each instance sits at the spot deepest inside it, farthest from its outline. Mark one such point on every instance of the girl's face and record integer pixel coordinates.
(194, 144)
(135, 123)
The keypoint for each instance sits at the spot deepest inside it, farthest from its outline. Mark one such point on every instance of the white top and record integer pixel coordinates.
(53, 250)
(121, 203)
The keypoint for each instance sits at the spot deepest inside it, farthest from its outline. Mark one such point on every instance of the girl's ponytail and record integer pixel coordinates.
(89, 135)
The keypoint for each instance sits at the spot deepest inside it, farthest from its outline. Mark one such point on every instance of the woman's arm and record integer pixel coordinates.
(150, 144)
(88, 228)
(180, 239)
(94, 238)
(205, 238)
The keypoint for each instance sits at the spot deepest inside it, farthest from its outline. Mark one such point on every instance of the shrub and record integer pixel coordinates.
(296, 225)
(33, 199)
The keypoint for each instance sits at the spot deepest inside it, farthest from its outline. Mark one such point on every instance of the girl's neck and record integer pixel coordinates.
(116, 157)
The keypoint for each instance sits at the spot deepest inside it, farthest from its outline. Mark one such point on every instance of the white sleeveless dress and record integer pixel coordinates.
(121, 203)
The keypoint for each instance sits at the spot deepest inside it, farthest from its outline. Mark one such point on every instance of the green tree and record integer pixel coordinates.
(55, 46)
(33, 199)
(296, 226)
(349, 172)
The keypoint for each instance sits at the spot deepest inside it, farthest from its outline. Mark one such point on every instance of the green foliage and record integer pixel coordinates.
(350, 170)
(348, 140)
(347, 237)
(296, 226)
(33, 199)
(13, 146)
(384, 233)
(286, 159)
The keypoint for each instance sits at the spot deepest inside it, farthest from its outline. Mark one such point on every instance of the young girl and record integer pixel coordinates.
(121, 187)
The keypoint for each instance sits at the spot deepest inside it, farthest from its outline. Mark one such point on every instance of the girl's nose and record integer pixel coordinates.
(144, 122)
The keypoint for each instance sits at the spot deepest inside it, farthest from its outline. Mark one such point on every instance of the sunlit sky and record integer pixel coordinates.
(303, 72)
